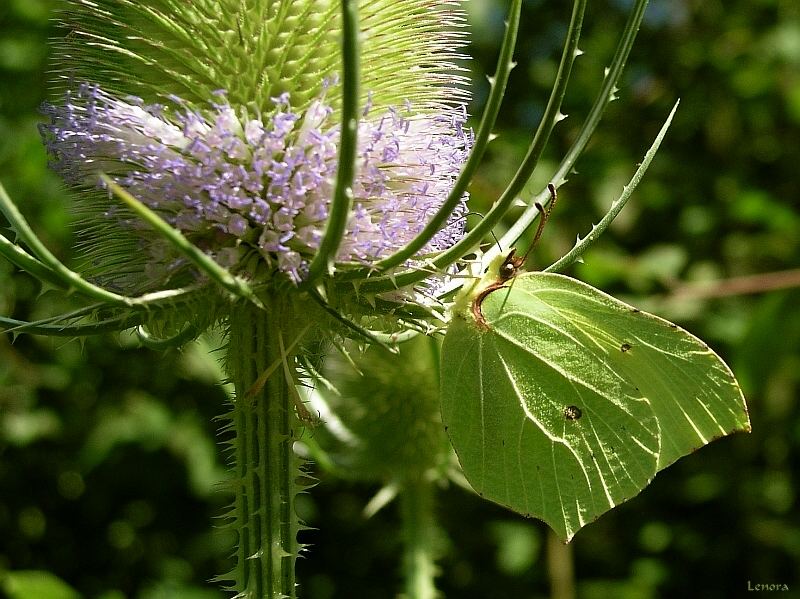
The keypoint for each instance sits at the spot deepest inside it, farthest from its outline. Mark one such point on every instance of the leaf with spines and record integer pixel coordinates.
(562, 402)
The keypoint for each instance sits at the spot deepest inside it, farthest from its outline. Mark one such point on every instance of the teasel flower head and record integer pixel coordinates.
(235, 183)
(224, 120)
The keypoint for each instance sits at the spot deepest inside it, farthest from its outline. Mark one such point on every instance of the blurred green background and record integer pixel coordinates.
(108, 464)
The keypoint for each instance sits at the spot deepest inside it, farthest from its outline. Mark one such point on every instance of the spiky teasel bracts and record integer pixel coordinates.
(258, 50)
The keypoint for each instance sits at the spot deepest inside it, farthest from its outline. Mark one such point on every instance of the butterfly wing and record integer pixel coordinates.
(568, 401)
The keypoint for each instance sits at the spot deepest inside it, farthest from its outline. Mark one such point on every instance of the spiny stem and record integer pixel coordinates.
(119, 323)
(419, 538)
(583, 244)
(551, 116)
(498, 87)
(19, 257)
(265, 427)
(604, 98)
(150, 341)
(57, 270)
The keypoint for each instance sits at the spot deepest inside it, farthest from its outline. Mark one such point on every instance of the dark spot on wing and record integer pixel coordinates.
(572, 413)
(624, 347)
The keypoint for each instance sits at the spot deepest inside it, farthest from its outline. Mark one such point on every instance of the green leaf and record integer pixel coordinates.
(562, 402)
(25, 584)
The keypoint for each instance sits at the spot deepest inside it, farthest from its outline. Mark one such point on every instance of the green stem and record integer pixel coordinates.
(265, 425)
(348, 146)
(559, 568)
(419, 537)
(498, 88)
(597, 230)
(50, 264)
(116, 324)
(606, 95)
(19, 257)
(551, 116)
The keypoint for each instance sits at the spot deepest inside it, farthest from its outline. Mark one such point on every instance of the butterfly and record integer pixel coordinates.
(562, 402)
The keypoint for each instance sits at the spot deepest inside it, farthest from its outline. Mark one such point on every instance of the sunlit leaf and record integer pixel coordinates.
(27, 584)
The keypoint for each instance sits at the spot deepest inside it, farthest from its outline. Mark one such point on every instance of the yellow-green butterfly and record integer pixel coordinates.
(562, 402)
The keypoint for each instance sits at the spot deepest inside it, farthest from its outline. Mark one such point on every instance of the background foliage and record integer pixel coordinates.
(108, 467)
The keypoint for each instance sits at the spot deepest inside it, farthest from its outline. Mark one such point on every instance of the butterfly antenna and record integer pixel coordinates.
(545, 216)
(491, 232)
(496, 241)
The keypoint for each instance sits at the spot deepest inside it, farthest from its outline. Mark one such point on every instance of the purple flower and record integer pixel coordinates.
(229, 179)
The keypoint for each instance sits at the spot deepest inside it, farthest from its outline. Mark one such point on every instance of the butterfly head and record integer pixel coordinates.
(510, 266)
